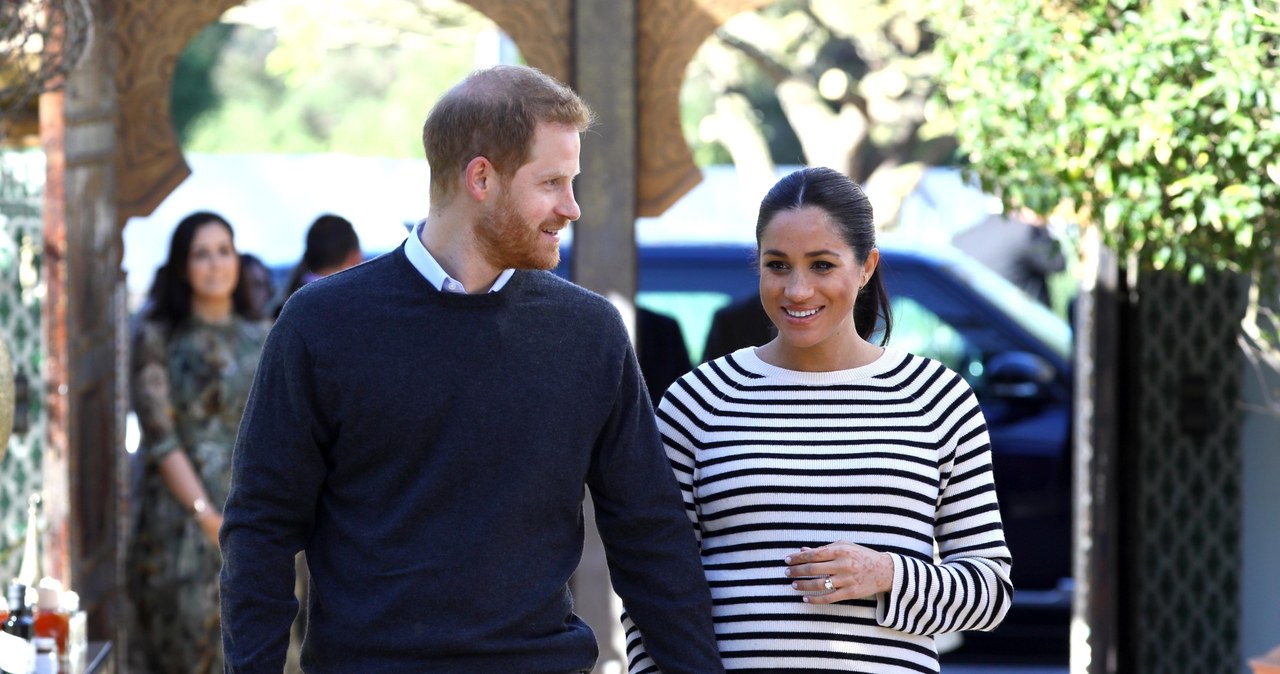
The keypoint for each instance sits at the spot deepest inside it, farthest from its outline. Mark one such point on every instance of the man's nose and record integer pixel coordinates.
(568, 207)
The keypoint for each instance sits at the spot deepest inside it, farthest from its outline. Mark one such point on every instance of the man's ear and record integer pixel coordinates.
(479, 178)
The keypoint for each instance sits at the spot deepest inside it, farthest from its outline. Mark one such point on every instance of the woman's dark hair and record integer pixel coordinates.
(171, 291)
(330, 240)
(850, 210)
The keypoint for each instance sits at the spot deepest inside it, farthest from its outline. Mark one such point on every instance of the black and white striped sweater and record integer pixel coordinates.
(893, 455)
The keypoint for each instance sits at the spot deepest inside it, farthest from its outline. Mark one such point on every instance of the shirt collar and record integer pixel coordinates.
(431, 270)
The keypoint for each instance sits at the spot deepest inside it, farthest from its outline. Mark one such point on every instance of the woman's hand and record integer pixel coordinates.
(210, 522)
(840, 571)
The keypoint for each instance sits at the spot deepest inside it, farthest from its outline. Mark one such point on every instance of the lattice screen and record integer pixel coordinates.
(21, 305)
(1185, 580)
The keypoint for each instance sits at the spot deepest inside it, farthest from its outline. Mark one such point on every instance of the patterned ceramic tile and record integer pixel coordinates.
(21, 304)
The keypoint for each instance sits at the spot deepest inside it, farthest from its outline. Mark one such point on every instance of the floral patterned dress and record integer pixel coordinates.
(190, 388)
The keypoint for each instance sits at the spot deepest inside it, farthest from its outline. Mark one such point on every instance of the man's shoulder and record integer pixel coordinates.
(346, 295)
(579, 311)
(547, 285)
(375, 270)
(366, 278)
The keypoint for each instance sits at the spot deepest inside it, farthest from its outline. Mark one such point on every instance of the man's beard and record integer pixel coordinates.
(509, 242)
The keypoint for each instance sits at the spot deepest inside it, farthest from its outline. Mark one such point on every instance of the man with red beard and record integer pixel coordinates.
(425, 426)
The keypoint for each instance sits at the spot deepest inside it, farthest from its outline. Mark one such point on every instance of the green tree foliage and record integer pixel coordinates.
(193, 93)
(843, 83)
(292, 76)
(1154, 120)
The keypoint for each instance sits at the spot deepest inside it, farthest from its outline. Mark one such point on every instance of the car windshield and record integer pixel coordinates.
(1029, 314)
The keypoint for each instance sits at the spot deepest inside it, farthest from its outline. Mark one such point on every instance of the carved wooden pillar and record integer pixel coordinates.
(84, 322)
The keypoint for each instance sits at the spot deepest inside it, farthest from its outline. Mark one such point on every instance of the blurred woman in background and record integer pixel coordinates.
(193, 361)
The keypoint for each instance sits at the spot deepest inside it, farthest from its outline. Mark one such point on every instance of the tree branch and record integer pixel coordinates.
(771, 67)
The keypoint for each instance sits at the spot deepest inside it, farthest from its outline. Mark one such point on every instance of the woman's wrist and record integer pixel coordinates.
(886, 572)
(200, 508)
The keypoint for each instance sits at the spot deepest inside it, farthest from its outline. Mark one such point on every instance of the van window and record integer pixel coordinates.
(1032, 316)
(692, 310)
(924, 333)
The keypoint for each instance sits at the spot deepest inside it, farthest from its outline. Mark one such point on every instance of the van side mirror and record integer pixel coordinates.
(1019, 376)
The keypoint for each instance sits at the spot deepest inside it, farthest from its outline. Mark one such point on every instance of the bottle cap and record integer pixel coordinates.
(48, 593)
(47, 599)
(16, 594)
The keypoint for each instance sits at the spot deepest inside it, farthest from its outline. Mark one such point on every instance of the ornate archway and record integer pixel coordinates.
(152, 33)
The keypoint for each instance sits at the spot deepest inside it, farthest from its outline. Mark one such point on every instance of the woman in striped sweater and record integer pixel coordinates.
(841, 490)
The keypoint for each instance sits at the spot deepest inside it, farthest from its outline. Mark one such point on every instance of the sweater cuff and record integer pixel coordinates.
(889, 604)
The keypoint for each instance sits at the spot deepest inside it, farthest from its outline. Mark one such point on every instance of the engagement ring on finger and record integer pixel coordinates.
(827, 584)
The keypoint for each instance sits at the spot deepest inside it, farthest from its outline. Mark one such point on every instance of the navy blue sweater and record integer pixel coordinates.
(429, 451)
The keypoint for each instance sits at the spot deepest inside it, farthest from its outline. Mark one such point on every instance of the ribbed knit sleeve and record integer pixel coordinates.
(276, 475)
(970, 589)
(680, 453)
(681, 456)
(653, 559)
(893, 456)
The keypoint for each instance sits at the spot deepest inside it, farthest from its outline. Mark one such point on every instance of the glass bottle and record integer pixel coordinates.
(46, 656)
(50, 620)
(29, 571)
(21, 622)
(77, 641)
(17, 652)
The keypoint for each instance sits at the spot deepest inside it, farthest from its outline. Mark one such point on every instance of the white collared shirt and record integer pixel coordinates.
(431, 270)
